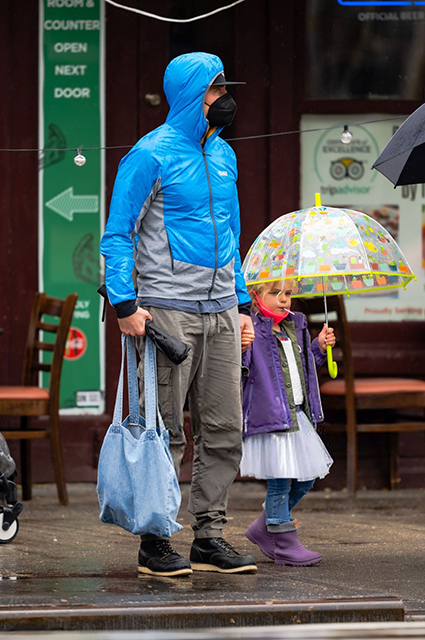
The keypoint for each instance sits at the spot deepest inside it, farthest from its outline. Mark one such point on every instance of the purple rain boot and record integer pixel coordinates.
(258, 534)
(289, 550)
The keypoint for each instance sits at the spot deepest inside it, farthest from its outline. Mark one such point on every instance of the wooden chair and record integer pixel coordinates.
(30, 399)
(364, 404)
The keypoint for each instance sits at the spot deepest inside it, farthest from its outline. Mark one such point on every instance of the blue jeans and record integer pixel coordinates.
(282, 496)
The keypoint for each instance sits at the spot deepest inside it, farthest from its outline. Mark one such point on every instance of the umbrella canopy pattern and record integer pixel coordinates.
(403, 159)
(327, 250)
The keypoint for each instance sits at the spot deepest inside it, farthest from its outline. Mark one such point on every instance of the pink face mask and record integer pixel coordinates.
(269, 314)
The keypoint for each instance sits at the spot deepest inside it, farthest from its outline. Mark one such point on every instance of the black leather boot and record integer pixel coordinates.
(158, 558)
(216, 554)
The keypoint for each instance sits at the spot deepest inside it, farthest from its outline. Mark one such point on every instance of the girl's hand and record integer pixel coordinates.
(247, 331)
(247, 338)
(326, 338)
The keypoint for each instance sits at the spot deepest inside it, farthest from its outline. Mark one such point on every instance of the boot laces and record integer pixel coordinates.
(221, 542)
(165, 548)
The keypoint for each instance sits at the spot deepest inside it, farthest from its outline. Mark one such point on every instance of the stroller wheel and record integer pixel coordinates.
(7, 536)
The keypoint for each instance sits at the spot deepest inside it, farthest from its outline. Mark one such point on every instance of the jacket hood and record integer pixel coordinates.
(186, 80)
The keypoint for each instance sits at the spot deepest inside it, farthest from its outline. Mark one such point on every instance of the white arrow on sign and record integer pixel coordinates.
(66, 204)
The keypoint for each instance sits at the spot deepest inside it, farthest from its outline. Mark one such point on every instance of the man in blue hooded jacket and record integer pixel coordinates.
(175, 208)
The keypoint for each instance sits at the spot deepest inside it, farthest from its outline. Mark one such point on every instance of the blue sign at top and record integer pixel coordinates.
(381, 3)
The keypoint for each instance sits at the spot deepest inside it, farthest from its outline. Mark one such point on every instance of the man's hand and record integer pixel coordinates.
(326, 338)
(247, 331)
(134, 325)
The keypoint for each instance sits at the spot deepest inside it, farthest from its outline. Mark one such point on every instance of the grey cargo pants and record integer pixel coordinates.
(211, 377)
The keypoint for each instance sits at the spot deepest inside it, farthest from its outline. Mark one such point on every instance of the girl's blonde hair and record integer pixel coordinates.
(260, 288)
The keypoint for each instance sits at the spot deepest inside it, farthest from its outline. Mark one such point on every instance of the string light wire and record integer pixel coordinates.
(179, 20)
(336, 126)
(257, 137)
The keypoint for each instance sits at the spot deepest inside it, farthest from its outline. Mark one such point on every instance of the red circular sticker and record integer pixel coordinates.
(76, 344)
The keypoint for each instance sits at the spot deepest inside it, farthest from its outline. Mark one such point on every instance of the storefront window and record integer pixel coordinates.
(365, 50)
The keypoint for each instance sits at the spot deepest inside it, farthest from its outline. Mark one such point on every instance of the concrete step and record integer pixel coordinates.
(201, 615)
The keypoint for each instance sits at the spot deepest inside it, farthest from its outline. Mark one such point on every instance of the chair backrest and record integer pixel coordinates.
(57, 308)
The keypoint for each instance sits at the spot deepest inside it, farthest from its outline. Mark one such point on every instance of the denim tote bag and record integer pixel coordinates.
(137, 485)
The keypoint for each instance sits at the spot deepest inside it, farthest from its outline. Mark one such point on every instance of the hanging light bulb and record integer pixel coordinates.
(346, 136)
(79, 159)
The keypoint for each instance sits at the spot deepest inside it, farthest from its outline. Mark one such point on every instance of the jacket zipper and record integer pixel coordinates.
(248, 413)
(307, 351)
(321, 416)
(171, 253)
(215, 227)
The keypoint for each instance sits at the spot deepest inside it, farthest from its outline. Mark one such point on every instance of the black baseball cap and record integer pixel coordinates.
(221, 81)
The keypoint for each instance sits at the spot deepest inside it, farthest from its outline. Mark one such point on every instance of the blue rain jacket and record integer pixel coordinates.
(174, 213)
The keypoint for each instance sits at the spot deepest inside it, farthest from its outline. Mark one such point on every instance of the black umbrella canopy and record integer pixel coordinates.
(403, 159)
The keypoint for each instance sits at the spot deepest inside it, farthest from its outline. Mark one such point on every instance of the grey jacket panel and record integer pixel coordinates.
(224, 284)
(158, 274)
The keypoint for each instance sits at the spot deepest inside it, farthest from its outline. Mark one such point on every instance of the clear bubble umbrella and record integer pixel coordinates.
(327, 251)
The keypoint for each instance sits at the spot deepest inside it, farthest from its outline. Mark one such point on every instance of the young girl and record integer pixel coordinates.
(282, 406)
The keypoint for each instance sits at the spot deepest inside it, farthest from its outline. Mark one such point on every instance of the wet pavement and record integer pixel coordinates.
(67, 570)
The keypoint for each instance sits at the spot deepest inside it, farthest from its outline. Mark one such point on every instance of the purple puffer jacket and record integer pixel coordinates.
(265, 403)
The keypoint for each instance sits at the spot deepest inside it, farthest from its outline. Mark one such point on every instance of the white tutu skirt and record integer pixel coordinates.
(300, 455)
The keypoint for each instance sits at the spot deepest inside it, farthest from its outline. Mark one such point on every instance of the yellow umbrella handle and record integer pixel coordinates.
(332, 365)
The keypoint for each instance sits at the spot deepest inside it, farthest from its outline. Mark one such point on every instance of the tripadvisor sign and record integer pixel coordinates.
(345, 168)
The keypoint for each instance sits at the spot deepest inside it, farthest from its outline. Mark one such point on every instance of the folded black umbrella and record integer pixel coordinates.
(176, 350)
(403, 159)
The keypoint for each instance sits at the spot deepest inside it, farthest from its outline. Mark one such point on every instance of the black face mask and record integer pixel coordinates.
(222, 111)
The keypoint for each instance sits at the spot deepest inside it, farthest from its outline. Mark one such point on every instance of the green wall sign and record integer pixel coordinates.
(71, 202)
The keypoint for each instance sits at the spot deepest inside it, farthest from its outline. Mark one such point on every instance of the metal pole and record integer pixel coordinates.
(326, 306)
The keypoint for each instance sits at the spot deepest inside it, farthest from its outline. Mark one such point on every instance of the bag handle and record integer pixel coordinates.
(127, 346)
(132, 381)
(117, 419)
(151, 389)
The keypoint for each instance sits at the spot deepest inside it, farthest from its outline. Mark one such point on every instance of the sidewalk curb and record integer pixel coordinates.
(202, 616)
